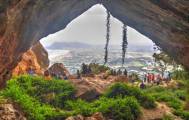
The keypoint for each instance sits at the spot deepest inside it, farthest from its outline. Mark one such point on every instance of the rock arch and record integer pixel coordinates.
(24, 22)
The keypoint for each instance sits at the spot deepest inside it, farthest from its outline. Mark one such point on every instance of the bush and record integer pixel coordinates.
(123, 90)
(180, 75)
(80, 107)
(33, 108)
(54, 92)
(167, 117)
(116, 109)
(181, 94)
(120, 108)
(183, 114)
(170, 99)
(97, 68)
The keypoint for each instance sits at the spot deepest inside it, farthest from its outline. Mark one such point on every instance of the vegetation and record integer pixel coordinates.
(34, 108)
(53, 99)
(116, 109)
(123, 90)
(93, 68)
(53, 92)
(163, 61)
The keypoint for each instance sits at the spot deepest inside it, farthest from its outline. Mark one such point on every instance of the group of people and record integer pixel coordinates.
(155, 78)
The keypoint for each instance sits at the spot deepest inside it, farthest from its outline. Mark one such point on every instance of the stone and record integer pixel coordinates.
(58, 69)
(24, 22)
(9, 112)
(96, 116)
(35, 58)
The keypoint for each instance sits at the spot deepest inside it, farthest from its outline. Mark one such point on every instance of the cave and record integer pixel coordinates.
(24, 22)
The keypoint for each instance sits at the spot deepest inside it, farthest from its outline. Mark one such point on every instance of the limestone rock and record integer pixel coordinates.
(36, 58)
(9, 112)
(58, 69)
(24, 22)
(96, 116)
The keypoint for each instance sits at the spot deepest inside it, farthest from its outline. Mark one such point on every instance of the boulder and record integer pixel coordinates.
(58, 70)
(88, 94)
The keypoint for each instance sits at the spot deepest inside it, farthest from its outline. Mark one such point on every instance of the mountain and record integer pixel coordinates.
(65, 45)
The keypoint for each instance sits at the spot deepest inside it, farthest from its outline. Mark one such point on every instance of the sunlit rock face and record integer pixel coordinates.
(35, 58)
(23, 22)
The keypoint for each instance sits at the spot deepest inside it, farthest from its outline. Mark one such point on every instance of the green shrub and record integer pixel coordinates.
(119, 108)
(147, 101)
(54, 92)
(116, 109)
(181, 94)
(80, 107)
(170, 99)
(123, 90)
(97, 68)
(180, 75)
(167, 117)
(183, 114)
(31, 106)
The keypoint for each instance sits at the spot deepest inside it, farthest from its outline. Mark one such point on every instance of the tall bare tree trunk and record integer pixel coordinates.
(107, 37)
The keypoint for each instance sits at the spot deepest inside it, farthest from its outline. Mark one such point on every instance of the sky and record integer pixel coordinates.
(90, 28)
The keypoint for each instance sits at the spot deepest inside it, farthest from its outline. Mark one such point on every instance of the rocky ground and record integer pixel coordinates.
(10, 111)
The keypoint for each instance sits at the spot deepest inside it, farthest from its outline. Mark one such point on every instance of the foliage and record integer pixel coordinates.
(93, 68)
(174, 98)
(167, 117)
(54, 92)
(117, 109)
(163, 60)
(180, 75)
(183, 114)
(30, 105)
(123, 90)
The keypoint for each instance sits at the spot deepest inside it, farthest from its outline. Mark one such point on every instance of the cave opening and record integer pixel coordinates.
(85, 38)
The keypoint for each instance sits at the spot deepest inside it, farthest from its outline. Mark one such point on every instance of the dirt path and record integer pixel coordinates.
(158, 113)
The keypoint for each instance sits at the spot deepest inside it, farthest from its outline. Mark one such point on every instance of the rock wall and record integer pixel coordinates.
(35, 58)
(23, 22)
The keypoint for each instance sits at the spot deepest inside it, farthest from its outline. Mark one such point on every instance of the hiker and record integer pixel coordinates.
(152, 77)
(158, 79)
(47, 75)
(78, 74)
(166, 76)
(119, 72)
(169, 76)
(125, 72)
(145, 78)
(148, 77)
(142, 85)
(31, 71)
(65, 78)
